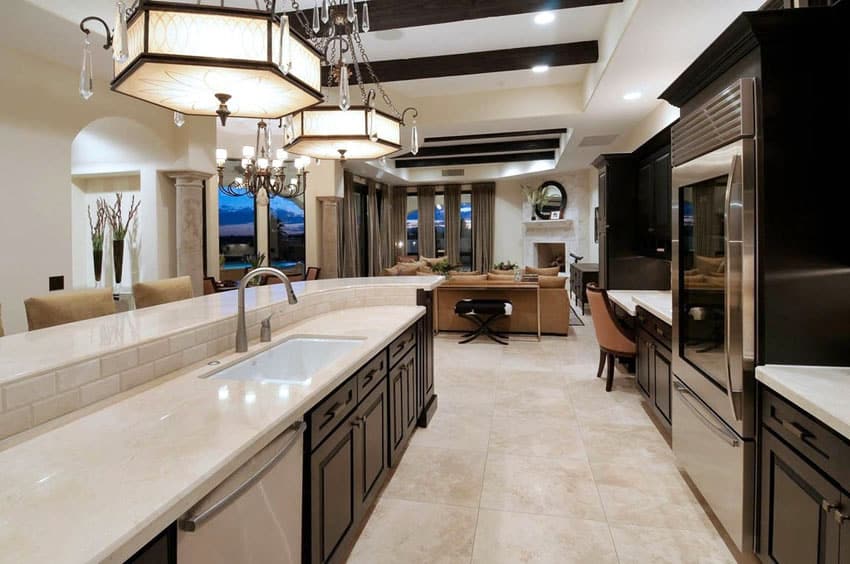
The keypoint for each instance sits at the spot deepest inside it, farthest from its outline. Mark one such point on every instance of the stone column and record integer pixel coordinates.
(190, 226)
(330, 252)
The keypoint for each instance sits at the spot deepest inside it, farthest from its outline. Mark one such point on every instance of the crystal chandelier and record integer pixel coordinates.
(207, 60)
(346, 131)
(264, 176)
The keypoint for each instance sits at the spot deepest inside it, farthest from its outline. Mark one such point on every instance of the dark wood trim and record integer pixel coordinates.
(477, 159)
(391, 14)
(564, 54)
(484, 148)
(499, 135)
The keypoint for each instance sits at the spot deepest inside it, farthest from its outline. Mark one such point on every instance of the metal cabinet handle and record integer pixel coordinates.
(358, 421)
(795, 429)
(840, 517)
(718, 429)
(827, 506)
(368, 377)
(191, 523)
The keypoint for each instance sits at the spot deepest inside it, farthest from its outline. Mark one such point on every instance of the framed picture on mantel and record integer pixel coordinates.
(555, 215)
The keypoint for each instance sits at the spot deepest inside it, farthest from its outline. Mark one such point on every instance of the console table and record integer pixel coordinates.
(582, 274)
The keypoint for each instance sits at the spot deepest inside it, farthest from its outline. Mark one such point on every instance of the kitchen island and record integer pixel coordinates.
(99, 483)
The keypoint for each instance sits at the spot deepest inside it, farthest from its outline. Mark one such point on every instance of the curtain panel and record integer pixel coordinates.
(350, 230)
(398, 222)
(452, 209)
(483, 212)
(388, 241)
(376, 258)
(427, 243)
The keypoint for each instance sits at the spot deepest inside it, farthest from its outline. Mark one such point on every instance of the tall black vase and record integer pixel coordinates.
(118, 259)
(97, 255)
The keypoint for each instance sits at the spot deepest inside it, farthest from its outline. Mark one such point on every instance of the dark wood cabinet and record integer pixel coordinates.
(654, 376)
(332, 495)
(803, 487)
(582, 274)
(654, 212)
(371, 449)
(161, 550)
(403, 414)
(425, 360)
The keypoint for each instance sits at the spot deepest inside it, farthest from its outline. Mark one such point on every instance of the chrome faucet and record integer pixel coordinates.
(266, 331)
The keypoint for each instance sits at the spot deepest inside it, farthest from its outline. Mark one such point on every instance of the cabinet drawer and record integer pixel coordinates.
(371, 375)
(324, 418)
(402, 344)
(810, 437)
(655, 327)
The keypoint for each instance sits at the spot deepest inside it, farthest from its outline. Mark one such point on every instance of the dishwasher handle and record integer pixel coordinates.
(190, 523)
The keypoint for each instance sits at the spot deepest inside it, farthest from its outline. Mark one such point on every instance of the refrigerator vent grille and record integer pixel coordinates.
(727, 117)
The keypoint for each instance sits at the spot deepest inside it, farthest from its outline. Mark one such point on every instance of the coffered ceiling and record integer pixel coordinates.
(466, 65)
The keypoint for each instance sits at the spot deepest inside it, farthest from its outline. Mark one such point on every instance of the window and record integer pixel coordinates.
(237, 237)
(466, 230)
(412, 247)
(286, 233)
(440, 224)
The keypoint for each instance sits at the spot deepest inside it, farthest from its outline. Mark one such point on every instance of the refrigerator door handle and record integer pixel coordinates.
(733, 219)
(715, 426)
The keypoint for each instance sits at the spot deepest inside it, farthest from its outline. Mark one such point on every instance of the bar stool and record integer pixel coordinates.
(147, 294)
(67, 306)
(484, 313)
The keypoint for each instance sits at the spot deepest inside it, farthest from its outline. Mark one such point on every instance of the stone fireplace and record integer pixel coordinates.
(550, 254)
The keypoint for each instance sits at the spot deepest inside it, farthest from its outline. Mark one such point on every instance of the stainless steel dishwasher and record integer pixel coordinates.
(254, 516)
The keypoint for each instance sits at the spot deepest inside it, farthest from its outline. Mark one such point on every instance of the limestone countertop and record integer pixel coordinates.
(822, 391)
(99, 484)
(33, 352)
(658, 302)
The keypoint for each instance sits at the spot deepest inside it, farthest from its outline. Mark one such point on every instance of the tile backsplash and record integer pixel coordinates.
(38, 398)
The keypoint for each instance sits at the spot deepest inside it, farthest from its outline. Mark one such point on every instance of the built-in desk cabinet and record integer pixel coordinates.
(804, 480)
(653, 373)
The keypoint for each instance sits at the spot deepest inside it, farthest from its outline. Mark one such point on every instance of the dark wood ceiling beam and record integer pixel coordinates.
(497, 135)
(526, 146)
(564, 54)
(477, 159)
(392, 14)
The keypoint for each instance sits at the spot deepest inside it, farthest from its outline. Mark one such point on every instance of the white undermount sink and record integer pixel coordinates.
(294, 361)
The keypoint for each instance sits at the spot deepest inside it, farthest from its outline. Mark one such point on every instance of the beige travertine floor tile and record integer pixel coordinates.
(532, 401)
(455, 429)
(551, 486)
(653, 505)
(537, 436)
(438, 475)
(507, 538)
(468, 398)
(413, 532)
(640, 545)
(521, 379)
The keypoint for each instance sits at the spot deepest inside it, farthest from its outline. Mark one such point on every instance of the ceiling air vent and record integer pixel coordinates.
(597, 140)
(453, 172)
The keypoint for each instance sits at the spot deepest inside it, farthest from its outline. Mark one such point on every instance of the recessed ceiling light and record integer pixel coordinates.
(540, 68)
(631, 96)
(544, 18)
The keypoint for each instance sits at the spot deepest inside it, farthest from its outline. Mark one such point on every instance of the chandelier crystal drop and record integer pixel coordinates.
(264, 174)
(348, 130)
(179, 119)
(86, 76)
(172, 55)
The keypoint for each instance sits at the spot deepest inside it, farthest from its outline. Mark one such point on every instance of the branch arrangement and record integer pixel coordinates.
(98, 226)
(532, 195)
(115, 216)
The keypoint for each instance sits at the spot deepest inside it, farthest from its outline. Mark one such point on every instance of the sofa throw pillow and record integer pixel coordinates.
(501, 278)
(406, 258)
(430, 261)
(709, 265)
(467, 279)
(408, 268)
(391, 271)
(549, 271)
(552, 281)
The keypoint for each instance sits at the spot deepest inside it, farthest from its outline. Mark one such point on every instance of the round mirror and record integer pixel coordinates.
(552, 201)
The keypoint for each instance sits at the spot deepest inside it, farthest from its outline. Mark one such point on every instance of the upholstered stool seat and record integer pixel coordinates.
(484, 313)
(147, 294)
(67, 306)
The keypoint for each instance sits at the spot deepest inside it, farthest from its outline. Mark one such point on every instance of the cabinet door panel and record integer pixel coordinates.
(662, 182)
(645, 228)
(643, 364)
(372, 457)
(795, 527)
(397, 422)
(662, 375)
(332, 494)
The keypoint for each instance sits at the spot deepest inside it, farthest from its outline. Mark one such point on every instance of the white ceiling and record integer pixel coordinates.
(650, 43)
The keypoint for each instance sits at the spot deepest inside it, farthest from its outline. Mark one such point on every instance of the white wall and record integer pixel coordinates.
(593, 203)
(40, 117)
(507, 233)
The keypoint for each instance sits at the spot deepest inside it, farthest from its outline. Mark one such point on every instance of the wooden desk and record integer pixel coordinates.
(490, 286)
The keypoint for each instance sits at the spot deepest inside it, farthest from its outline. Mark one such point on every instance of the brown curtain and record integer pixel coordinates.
(452, 203)
(427, 244)
(350, 230)
(483, 210)
(376, 259)
(388, 248)
(398, 222)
